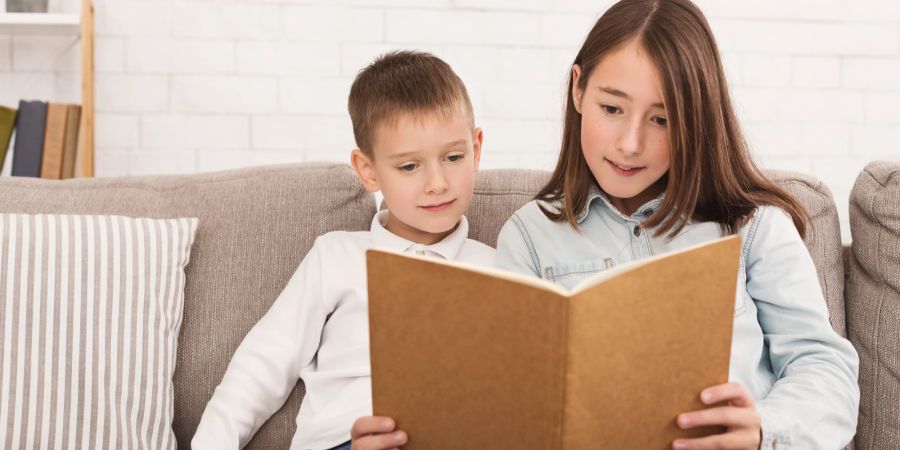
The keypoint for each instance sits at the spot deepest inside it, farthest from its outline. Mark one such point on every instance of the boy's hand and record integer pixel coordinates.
(376, 433)
(742, 422)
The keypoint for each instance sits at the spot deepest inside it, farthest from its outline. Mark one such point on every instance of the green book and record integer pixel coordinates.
(7, 122)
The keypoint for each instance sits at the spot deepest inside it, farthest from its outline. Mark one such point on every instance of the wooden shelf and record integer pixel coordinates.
(81, 25)
(40, 23)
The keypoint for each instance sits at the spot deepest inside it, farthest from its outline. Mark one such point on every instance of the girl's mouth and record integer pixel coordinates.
(622, 170)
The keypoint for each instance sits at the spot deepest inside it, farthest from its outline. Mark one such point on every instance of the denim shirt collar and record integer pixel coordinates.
(641, 214)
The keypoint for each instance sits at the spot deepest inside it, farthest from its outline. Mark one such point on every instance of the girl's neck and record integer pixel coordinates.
(628, 206)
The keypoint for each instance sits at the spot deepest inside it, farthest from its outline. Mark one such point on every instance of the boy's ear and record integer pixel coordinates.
(477, 140)
(365, 169)
(577, 92)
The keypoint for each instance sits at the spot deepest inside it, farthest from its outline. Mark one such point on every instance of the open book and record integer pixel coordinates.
(466, 357)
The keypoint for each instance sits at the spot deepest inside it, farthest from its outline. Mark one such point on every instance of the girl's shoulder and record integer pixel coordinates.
(770, 226)
(532, 213)
(531, 225)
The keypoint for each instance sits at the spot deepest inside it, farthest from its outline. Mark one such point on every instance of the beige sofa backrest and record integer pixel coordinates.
(873, 302)
(257, 224)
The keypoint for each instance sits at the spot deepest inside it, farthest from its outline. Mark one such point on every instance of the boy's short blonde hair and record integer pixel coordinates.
(403, 82)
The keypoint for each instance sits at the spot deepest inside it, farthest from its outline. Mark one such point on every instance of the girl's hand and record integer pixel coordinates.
(742, 422)
(376, 433)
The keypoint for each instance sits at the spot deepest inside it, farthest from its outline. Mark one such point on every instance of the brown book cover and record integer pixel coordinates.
(7, 124)
(467, 357)
(54, 141)
(73, 122)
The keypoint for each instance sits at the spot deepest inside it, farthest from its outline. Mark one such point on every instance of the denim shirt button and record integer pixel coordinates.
(637, 231)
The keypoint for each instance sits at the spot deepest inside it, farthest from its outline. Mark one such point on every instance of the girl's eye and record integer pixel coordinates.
(407, 167)
(660, 121)
(609, 109)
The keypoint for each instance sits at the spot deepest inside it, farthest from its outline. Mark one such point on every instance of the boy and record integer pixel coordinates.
(417, 143)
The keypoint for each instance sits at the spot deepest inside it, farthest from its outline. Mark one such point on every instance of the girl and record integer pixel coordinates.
(653, 160)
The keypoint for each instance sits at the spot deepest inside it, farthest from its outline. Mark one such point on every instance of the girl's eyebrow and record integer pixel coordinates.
(618, 93)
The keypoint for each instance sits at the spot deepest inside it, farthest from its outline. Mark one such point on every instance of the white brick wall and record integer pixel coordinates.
(194, 85)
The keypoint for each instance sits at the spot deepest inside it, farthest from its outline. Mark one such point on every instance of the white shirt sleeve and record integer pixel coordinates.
(266, 366)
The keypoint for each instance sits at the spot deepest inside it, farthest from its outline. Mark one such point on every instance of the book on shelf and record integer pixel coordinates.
(7, 124)
(73, 128)
(469, 357)
(60, 137)
(29, 143)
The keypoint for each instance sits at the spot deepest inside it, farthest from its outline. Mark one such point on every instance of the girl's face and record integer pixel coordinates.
(624, 135)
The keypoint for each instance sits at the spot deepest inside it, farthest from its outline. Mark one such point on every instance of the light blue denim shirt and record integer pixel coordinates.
(802, 374)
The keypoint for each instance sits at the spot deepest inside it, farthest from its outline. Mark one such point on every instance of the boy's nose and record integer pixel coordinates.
(436, 182)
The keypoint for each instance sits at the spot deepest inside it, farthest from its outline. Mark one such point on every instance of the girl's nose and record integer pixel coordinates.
(630, 140)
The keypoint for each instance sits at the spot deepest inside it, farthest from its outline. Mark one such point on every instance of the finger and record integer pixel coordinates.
(380, 441)
(727, 416)
(371, 425)
(733, 440)
(730, 392)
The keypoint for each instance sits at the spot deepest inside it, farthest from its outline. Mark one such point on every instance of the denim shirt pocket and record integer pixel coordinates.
(570, 275)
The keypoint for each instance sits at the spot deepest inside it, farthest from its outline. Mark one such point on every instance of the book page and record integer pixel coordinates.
(464, 359)
(643, 344)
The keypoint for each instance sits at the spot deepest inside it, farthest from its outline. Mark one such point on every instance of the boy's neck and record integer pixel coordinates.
(414, 234)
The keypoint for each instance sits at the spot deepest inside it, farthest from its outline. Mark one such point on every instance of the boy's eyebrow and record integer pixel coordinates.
(408, 154)
(402, 155)
(455, 143)
(618, 93)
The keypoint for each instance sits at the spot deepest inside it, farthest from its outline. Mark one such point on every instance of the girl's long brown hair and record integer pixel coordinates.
(711, 175)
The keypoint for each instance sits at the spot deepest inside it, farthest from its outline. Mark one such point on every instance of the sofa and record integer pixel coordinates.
(256, 224)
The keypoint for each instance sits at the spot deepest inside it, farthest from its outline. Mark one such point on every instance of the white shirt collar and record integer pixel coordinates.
(447, 248)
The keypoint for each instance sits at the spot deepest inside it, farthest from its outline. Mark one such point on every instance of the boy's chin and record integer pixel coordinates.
(432, 228)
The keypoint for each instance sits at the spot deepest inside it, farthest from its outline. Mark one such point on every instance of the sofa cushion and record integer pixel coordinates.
(91, 310)
(823, 238)
(873, 302)
(499, 193)
(255, 226)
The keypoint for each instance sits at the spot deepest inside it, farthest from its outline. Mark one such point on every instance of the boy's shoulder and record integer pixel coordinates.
(475, 252)
(342, 242)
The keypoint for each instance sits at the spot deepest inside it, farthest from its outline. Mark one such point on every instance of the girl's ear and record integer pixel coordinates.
(577, 92)
(365, 169)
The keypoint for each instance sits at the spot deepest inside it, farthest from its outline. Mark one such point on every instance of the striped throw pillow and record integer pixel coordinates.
(90, 311)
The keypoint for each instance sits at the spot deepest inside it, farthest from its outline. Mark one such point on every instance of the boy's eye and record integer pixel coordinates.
(609, 109)
(454, 158)
(407, 167)
(660, 121)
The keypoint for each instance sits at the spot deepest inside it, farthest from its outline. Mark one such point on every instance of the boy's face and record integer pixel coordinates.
(425, 168)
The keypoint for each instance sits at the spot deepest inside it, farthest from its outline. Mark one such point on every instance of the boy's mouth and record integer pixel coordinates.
(623, 169)
(438, 206)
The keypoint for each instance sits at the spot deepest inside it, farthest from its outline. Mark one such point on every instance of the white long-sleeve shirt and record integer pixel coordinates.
(318, 330)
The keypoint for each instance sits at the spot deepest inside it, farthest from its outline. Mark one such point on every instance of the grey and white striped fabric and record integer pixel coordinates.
(90, 311)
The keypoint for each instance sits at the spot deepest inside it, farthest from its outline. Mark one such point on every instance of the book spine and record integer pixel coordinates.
(7, 123)
(54, 142)
(73, 122)
(29, 144)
